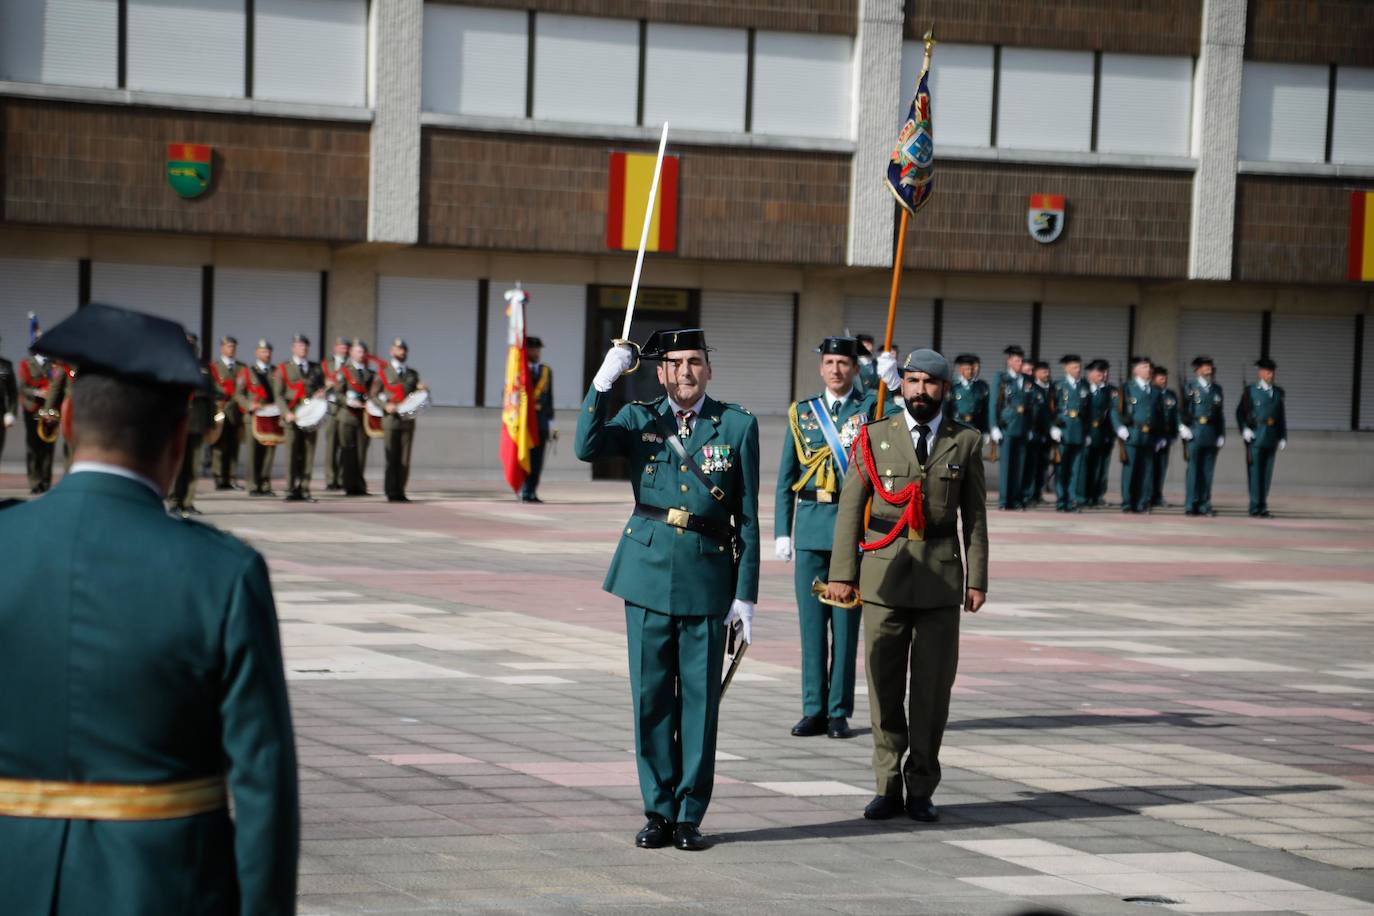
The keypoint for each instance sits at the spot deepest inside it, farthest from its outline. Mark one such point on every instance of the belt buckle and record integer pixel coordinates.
(1202, 421)
(824, 496)
(678, 517)
(718, 494)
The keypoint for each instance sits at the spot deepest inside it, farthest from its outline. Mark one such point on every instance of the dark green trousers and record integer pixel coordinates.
(1011, 466)
(39, 463)
(183, 495)
(829, 642)
(1068, 480)
(1137, 477)
(226, 448)
(909, 719)
(300, 458)
(1161, 470)
(1202, 462)
(262, 466)
(675, 669)
(400, 436)
(1261, 474)
(333, 467)
(1099, 466)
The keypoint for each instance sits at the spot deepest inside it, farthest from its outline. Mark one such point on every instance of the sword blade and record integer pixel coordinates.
(644, 235)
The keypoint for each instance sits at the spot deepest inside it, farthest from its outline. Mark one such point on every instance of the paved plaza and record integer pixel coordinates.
(1151, 713)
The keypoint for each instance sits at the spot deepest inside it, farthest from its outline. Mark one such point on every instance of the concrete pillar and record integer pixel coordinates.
(393, 213)
(353, 297)
(1156, 332)
(1216, 133)
(877, 90)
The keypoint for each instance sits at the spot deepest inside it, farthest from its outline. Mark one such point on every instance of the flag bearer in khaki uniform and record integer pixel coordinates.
(146, 693)
(333, 380)
(815, 459)
(354, 387)
(924, 475)
(181, 499)
(687, 566)
(395, 382)
(225, 372)
(297, 380)
(256, 391)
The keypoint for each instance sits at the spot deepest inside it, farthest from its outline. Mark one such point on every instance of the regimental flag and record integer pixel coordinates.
(34, 330)
(631, 176)
(519, 430)
(1362, 236)
(188, 168)
(911, 168)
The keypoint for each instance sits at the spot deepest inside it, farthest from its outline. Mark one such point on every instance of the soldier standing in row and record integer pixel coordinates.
(815, 460)
(924, 476)
(333, 381)
(392, 385)
(541, 381)
(296, 381)
(181, 499)
(968, 397)
(35, 380)
(9, 399)
(225, 372)
(1169, 401)
(1263, 425)
(60, 378)
(1098, 451)
(1203, 429)
(687, 566)
(1138, 417)
(1037, 468)
(1069, 400)
(355, 388)
(1009, 414)
(256, 391)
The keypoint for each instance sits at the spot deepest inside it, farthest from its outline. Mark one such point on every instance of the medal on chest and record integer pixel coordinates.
(850, 430)
(716, 459)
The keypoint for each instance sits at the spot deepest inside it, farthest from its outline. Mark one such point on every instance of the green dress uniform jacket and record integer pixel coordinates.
(256, 386)
(808, 518)
(141, 649)
(1101, 443)
(1037, 464)
(1203, 410)
(1069, 401)
(913, 589)
(968, 403)
(678, 584)
(1010, 408)
(1141, 410)
(225, 451)
(389, 387)
(1169, 402)
(293, 386)
(1261, 409)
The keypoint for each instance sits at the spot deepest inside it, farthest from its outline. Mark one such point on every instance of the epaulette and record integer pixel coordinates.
(654, 403)
(961, 424)
(728, 406)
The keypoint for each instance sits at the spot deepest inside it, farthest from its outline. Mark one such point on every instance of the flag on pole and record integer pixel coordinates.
(911, 168)
(34, 329)
(519, 431)
(1361, 236)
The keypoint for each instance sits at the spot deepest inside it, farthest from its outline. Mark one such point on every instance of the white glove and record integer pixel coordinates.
(1056, 433)
(1221, 441)
(9, 420)
(1161, 445)
(1123, 433)
(985, 440)
(1248, 435)
(742, 612)
(617, 362)
(1185, 434)
(887, 370)
(782, 549)
(1283, 444)
(996, 434)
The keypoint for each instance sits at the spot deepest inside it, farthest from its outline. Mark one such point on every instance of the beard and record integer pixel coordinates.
(923, 409)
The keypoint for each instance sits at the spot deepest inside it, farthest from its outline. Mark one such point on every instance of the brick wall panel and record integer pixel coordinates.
(828, 16)
(1127, 26)
(80, 165)
(1293, 230)
(1119, 222)
(1332, 31)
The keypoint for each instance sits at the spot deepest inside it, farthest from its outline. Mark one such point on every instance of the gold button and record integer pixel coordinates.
(682, 468)
(720, 549)
(629, 531)
(684, 488)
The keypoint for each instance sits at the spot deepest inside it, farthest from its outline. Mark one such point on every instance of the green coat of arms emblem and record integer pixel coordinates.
(188, 168)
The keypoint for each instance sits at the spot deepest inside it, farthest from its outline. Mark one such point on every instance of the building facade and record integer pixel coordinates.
(389, 168)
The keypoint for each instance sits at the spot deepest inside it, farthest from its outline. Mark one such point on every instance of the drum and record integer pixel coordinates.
(311, 413)
(415, 402)
(372, 421)
(267, 425)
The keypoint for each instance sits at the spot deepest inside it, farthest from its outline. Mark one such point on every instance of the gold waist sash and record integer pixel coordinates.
(109, 801)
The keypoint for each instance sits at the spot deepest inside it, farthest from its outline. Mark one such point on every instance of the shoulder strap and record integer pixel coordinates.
(670, 434)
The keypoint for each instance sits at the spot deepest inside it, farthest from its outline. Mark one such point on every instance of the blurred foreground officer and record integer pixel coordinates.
(1263, 425)
(199, 421)
(1139, 420)
(1202, 426)
(923, 474)
(1010, 416)
(256, 391)
(333, 380)
(1069, 400)
(143, 694)
(1159, 377)
(815, 459)
(687, 566)
(541, 378)
(394, 383)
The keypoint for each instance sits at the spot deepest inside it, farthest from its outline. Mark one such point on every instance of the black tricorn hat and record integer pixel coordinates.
(1099, 365)
(840, 346)
(1137, 360)
(661, 343)
(1265, 362)
(122, 343)
(966, 359)
(1014, 350)
(533, 342)
(1041, 364)
(1200, 361)
(1070, 358)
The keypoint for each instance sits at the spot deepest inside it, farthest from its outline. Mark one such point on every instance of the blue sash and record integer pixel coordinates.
(831, 434)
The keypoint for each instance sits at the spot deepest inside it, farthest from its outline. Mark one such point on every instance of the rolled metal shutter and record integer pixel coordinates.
(46, 288)
(914, 328)
(271, 304)
(985, 329)
(1090, 331)
(168, 292)
(1232, 339)
(557, 314)
(438, 319)
(1314, 353)
(752, 361)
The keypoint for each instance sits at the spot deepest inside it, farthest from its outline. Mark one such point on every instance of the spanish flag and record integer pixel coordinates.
(1362, 236)
(519, 431)
(631, 176)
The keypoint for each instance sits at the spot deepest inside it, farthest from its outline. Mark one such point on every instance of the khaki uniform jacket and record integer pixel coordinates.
(916, 573)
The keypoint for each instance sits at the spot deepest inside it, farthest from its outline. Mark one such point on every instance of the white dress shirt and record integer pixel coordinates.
(831, 399)
(100, 467)
(934, 425)
(695, 409)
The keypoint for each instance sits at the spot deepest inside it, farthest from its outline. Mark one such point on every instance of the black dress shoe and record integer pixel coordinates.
(1265, 513)
(920, 809)
(883, 807)
(293, 498)
(688, 837)
(534, 499)
(1210, 513)
(397, 499)
(838, 727)
(191, 510)
(224, 486)
(809, 726)
(655, 834)
(332, 486)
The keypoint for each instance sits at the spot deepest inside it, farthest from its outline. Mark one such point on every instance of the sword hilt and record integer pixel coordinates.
(622, 342)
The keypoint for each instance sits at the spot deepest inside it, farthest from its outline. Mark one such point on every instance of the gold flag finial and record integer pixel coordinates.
(930, 46)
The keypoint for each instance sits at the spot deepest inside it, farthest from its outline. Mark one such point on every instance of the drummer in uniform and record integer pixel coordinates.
(298, 381)
(35, 381)
(60, 382)
(354, 387)
(181, 500)
(256, 391)
(333, 478)
(225, 372)
(393, 384)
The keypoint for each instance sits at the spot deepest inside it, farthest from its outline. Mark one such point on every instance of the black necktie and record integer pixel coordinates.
(922, 452)
(834, 410)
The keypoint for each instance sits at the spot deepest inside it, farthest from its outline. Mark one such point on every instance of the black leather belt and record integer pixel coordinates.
(817, 496)
(885, 526)
(681, 518)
